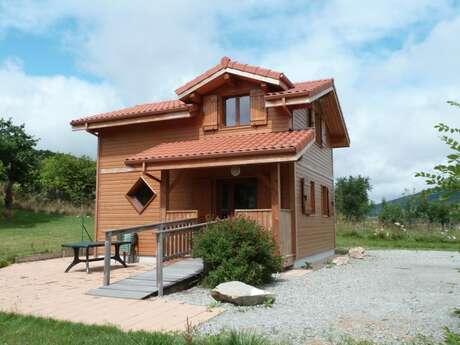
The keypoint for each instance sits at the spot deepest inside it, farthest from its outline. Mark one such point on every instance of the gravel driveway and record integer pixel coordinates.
(389, 297)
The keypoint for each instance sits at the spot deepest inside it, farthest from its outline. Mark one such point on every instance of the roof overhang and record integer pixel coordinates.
(294, 99)
(228, 70)
(329, 100)
(241, 159)
(88, 126)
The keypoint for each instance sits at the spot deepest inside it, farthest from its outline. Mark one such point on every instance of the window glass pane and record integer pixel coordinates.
(143, 194)
(245, 195)
(230, 112)
(244, 110)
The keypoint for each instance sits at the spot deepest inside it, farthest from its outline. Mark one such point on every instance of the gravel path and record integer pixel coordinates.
(389, 297)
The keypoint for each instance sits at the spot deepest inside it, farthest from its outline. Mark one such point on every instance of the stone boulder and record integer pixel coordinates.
(340, 260)
(356, 252)
(240, 293)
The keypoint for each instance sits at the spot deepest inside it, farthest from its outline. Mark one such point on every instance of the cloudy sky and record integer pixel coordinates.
(395, 64)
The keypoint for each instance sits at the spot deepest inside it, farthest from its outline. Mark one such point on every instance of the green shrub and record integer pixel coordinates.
(237, 249)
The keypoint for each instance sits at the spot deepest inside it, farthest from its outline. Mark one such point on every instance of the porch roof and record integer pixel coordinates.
(228, 146)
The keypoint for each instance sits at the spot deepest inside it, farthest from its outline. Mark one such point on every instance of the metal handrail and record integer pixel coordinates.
(130, 230)
(161, 230)
(161, 257)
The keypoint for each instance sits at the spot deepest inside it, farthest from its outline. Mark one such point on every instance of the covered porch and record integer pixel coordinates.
(264, 193)
(249, 175)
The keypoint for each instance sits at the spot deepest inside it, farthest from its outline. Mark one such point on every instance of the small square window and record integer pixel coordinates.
(140, 195)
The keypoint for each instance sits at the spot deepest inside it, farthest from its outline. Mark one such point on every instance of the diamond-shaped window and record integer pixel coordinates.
(141, 195)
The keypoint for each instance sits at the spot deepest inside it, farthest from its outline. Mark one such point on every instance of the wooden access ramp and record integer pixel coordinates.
(144, 285)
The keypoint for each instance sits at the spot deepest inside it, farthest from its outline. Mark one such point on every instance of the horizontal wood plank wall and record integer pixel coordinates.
(315, 233)
(115, 211)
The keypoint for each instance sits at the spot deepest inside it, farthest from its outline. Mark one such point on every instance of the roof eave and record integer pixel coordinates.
(295, 98)
(211, 156)
(132, 119)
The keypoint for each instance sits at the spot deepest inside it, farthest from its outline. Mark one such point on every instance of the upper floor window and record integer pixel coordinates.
(237, 111)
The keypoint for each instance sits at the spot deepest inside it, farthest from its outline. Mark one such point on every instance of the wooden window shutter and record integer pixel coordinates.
(318, 129)
(312, 198)
(303, 196)
(210, 112)
(258, 111)
(325, 202)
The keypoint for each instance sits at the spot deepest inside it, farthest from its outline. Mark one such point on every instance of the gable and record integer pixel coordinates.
(227, 68)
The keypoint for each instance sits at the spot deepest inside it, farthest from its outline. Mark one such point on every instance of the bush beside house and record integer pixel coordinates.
(237, 249)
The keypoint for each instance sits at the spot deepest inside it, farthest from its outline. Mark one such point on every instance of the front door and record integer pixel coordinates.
(235, 194)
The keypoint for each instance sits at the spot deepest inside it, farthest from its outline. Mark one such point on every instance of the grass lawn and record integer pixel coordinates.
(372, 235)
(19, 330)
(28, 233)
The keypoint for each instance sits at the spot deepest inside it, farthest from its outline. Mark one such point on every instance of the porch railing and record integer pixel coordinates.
(173, 239)
(261, 216)
(181, 214)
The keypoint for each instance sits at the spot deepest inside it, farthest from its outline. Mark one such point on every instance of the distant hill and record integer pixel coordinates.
(454, 198)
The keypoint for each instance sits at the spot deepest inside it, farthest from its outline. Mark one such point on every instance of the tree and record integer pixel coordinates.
(390, 213)
(446, 178)
(17, 158)
(351, 197)
(64, 176)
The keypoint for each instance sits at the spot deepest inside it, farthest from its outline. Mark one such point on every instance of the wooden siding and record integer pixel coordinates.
(315, 233)
(115, 211)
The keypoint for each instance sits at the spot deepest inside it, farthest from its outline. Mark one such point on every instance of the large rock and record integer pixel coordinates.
(356, 253)
(240, 293)
(340, 260)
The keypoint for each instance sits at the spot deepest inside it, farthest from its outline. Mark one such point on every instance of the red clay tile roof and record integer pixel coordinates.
(137, 110)
(307, 88)
(227, 62)
(227, 146)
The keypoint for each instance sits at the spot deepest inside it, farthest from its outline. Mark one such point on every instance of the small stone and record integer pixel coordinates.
(340, 260)
(356, 253)
(240, 293)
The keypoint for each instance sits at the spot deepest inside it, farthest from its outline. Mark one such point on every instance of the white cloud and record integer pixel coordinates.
(395, 66)
(47, 104)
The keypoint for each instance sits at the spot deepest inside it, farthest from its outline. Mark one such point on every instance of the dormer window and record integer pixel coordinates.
(237, 111)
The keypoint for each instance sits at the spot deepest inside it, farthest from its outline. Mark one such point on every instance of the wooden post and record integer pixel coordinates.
(159, 267)
(164, 193)
(293, 207)
(275, 201)
(107, 255)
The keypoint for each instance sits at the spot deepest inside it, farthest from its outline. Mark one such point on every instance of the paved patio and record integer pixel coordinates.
(41, 288)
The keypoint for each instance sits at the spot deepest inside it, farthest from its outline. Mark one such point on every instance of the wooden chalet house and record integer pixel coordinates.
(239, 140)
